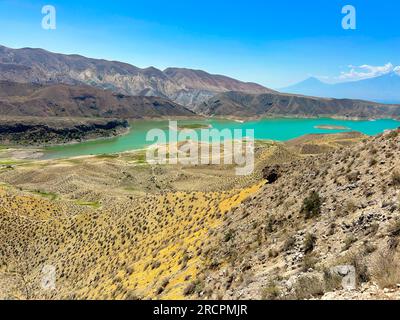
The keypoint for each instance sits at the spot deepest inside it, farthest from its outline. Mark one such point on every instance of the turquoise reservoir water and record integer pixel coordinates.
(266, 129)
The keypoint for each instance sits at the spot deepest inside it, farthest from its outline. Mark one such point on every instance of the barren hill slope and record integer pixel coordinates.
(239, 104)
(60, 100)
(200, 85)
(339, 208)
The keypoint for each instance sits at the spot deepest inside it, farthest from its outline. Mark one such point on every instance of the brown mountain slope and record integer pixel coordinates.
(240, 104)
(198, 79)
(188, 87)
(20, 99)
(200, 86)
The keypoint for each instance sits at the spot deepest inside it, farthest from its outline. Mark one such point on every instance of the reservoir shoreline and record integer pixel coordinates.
(275, 129)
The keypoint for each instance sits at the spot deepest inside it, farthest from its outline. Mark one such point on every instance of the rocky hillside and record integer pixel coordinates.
(61, 100)
(187, 87)
(314, 214)
(41, 131)
(239, 104)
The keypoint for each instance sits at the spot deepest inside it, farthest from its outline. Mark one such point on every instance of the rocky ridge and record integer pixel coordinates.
(240, 104)
(184, 86)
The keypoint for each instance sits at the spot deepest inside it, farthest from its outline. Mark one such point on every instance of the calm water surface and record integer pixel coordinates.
(266, 129)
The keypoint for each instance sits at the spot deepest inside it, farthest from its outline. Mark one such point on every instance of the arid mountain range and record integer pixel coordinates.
(184, 86)
(240, 104)
(35, 82)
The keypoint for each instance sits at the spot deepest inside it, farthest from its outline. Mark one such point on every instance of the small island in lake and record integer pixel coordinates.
(194, 126)
(331, 127)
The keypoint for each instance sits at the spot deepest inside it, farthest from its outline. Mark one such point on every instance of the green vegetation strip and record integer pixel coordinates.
(93, 204)
(44, 194)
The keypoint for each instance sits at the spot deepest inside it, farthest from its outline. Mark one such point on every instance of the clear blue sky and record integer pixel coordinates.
(272, 42)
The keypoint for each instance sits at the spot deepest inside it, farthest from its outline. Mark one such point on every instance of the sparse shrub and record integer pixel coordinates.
(386, 270)
(130, 271)
(190, 289)
(269, 228)
(230, 235)
(373, 162)
(309, 243)
(308, 287)
(289, 243)
(396, 178)
(373, 151)
(369, 248)
(353, 177)
(393, 134)
(214, 264)
(394, 229)
(155, 265)
(132, 296)
(271, 292)
(350, 207)
(160, 290)
(193, 287)
(165, 283)
(272, 253)
(332, 229)
(312, 205)
(348, 242)
(359, 263)
(309, 262)
(332, 281)
(373, 229)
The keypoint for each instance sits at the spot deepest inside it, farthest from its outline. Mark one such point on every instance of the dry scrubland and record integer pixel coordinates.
(116, 228)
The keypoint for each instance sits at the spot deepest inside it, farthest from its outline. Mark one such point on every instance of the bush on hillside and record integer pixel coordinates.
(312, 205)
